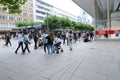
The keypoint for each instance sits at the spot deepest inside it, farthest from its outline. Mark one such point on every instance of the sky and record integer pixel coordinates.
(66, 5)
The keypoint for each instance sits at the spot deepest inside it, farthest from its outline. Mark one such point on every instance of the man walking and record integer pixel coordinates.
(20, 42)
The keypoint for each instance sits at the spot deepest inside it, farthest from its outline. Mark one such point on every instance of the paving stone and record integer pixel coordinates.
(98, 60)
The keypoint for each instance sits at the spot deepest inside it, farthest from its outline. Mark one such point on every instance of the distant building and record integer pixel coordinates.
(7, 21)
(43, 9)
(36, 10)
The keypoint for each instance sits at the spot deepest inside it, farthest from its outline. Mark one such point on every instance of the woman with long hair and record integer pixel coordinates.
(50, 39)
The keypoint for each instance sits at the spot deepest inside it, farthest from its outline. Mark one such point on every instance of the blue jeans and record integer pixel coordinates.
(50, 49)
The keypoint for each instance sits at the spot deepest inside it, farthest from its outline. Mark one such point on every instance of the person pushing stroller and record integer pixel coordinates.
(57, 45)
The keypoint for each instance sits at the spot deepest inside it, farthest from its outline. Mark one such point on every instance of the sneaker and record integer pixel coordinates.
(15, 52)
(70, 49)
(45, 51)
(61, 50)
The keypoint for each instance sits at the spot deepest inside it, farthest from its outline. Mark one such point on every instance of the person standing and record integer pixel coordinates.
(79, 35)
(26, 42)
(70, 40)
(20, 42)
(91, 36)
(35, 40)
(64, 37)
(50, 39)
(67, 33)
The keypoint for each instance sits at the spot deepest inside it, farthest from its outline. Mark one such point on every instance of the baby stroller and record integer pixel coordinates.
(40, 42)
(58, 48)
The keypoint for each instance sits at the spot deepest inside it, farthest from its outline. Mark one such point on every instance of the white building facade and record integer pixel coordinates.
(43, 9)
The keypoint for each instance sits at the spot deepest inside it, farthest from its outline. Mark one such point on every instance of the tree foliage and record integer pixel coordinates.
(26, 23)
(13, 6)
(51, 22)
(55, 22)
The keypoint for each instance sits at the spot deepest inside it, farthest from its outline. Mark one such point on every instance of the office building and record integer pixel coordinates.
(8, 21)
(43, 9)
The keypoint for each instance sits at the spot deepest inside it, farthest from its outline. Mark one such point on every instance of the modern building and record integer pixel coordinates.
(85, 17)
(43, 9)
(105, 12)
(8, 21)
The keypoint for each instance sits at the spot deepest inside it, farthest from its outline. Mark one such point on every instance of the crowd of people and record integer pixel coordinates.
(50, 42)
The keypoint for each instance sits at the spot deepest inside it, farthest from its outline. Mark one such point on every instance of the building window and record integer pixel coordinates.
(43, 8)
(25, 8)
(39, 17)
(11, 18)
(2, 17)
(19, 19)
(25, 14)
(3, 25)
(43, 13)
(25, 19)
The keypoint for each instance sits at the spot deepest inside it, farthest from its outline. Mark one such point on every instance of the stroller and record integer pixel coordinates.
(40, 42)
(57, 47)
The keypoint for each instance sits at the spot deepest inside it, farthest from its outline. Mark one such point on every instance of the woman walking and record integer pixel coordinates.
(50, 39)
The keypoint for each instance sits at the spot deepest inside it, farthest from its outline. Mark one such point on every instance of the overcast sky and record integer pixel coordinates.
(66, 5)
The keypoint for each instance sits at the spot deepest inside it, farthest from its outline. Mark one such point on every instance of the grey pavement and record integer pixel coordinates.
(98, 60)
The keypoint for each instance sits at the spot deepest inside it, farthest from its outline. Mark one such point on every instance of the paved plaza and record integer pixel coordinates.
(98, 60)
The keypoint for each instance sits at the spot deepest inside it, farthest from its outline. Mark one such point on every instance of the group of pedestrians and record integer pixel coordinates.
(23, 39)
(48, 40)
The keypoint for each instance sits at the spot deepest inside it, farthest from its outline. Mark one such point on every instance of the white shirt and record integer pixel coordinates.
(67, 35)
(20, 38)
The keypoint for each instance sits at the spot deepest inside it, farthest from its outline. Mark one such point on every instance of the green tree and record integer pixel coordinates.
(55, 22)
(65, 23)
(26, 23)
(52, 22)
(13, 6)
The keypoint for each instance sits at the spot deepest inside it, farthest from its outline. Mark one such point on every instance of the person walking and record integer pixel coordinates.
(20, 42)
(8, 40)
(50, 39)
(44, 35)
(26, 42)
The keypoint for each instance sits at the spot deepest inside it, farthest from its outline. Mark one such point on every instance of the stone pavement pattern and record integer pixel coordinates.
(98, 60)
